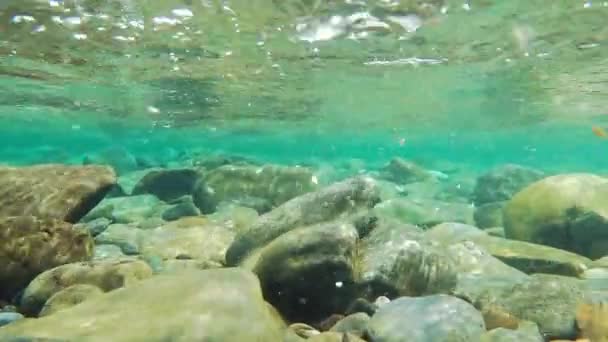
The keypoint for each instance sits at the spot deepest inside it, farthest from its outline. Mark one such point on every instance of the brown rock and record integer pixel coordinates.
(55, 191)
(30, 246)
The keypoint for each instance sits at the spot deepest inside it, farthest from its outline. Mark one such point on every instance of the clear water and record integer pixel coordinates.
(479, 82)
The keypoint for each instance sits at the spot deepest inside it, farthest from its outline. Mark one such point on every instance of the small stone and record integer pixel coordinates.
(9, 317)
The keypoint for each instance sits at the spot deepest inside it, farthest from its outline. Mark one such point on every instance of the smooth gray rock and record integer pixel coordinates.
(436, 318)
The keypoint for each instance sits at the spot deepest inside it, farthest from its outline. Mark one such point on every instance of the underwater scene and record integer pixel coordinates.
(303, 170)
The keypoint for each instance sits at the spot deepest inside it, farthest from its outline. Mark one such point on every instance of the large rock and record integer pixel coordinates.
(394, 260)
(332, 202)
(54, 191)
(502, 182)
(426, 319)
(30, 246)
(211, 305)
(106, 275)
(308, 273)
(568, 211)
(191, 238)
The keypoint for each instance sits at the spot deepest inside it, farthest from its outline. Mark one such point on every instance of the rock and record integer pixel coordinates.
(30, 246)
(426, 319)
(568, 212)
(234, 217)
(187, 238)
(168, 184)
(106, 275)
(303, 330)
(502, 182)
(215, 161)
(524, 256)
(307, 273)
(489, 215)
(527, 332)
(98, 225)
(126, 182)
(394, 261)
(219, 305)
(107, 252)
(277, 184)
(333, 336)
(335, 201)
(184, 208)
(126, 237)
(130, 209)
(547, 300)
(425, 212)
(355, 324)
(204, 197)
(9, 317)
(496, 231)
(69, 297)
(53, 191)
(402, 171)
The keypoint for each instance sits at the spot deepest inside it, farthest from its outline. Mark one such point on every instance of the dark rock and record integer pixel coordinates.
(426, 319)
(30, 246)
(53, 191)
(307, 273)
(168, 184)
(337, 200)
(502, 182)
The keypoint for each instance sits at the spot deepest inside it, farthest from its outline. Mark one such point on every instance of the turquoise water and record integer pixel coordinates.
(342, 88)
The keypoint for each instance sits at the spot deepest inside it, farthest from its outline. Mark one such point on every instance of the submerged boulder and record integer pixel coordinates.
(30, 246)
(567, 211)
(211, 305)
(308, 273)
(54, 191)
(332, 202)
